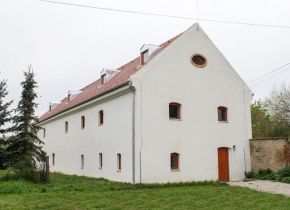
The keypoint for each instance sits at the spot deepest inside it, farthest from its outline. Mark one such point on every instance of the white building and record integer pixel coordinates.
(179, 112)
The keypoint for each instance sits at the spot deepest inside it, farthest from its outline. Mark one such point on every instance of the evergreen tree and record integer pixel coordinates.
(25, 151)
(5, 117)
(5, 114)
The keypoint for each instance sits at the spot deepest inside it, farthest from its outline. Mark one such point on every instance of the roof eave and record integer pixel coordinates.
(86, 101)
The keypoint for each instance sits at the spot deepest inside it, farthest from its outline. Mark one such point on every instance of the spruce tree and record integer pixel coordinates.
(5, 118)
(25, 150)
(5, 113)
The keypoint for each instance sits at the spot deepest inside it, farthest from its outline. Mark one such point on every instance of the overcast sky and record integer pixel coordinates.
(68, 46)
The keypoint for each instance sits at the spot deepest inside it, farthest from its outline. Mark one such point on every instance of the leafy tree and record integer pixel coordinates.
(271, 117)
(262, 124)
(5, 117)
(278, 105)
(24, 149)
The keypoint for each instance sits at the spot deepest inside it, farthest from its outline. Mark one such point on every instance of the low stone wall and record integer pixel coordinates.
(273, 153)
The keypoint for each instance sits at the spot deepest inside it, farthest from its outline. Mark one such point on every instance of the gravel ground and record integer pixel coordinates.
(265, 186)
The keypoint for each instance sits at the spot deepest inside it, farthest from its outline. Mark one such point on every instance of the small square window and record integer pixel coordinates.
(222, 114)
(174, 111)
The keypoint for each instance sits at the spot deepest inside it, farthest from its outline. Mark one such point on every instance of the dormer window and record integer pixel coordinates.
(103, 77)
(146, 51)
(52, 105)
(144, 56)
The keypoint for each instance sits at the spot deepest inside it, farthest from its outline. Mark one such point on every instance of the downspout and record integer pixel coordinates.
(246, 126)
(141, 130)
(133, 89)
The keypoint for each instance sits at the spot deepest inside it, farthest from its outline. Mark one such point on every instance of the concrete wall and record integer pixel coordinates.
(171, 77)
(269, 153)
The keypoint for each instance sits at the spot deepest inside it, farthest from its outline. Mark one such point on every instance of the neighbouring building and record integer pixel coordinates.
(178, 112)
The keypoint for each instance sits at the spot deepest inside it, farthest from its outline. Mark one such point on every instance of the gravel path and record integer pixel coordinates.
(265, 186)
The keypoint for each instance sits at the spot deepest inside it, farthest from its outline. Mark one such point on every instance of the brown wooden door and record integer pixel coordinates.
(223, 164)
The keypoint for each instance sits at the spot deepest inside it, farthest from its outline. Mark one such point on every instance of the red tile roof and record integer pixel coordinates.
(94, 89)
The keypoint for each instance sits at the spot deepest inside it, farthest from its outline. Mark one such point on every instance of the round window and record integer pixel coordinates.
(198, 60)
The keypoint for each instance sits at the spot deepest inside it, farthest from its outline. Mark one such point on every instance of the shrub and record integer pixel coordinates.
(285, 172)
(28, 174)
(270, 176)
(264, 172)
(249, 174)
(286, 180)
(10, 174)
(282, 175)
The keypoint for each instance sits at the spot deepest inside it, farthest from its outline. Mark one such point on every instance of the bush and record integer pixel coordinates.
(283, 173)
(10, 174)
(270, 176)
(265, 174)
(249, 174)
(35, 175)
(286, 180)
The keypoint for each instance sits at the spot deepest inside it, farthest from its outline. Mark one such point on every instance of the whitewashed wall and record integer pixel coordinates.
(170, 77)
(113, 137)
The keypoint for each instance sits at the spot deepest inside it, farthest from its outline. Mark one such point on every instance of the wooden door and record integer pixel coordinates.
(223, 164)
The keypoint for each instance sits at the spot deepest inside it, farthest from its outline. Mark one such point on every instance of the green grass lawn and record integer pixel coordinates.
(74, 192)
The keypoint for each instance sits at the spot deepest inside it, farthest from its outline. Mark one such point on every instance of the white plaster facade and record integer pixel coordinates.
(137, 124)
